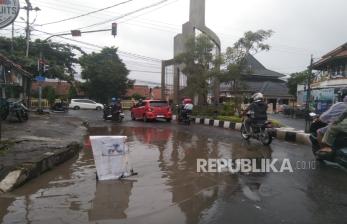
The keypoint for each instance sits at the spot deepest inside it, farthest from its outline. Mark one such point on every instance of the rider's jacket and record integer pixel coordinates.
(258, 110)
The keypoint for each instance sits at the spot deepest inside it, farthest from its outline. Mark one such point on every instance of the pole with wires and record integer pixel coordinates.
(12, 39)
(28, 8)
(308, 98)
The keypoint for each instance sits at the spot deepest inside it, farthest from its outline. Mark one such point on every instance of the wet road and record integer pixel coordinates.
(169, 190)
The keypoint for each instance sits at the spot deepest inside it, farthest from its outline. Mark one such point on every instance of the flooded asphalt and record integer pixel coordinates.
(168, 188)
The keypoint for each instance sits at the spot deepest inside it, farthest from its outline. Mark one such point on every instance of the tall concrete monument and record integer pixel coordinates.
(196, 22)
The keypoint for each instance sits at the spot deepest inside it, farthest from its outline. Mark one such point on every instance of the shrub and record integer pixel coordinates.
(227, 109)
(233, 119)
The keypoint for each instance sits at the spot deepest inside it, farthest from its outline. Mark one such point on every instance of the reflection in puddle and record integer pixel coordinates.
(111, 200)
(167, 185)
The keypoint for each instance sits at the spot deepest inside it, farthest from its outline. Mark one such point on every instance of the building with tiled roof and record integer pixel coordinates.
(330, 80)
(15, 82)
(257, 78)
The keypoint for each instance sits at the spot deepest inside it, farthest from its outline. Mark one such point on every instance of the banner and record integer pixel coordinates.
(111, 156)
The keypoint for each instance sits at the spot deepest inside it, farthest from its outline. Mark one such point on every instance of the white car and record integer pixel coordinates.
(77, 104)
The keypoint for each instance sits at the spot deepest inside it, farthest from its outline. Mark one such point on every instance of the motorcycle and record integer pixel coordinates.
(110, 115)
(16, 110)
(262, 131)
(339, 153)
(184, 116)
(4, 109)
(60, 107)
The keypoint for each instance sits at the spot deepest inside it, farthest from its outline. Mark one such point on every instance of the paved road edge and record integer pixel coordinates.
(285, 134)
(28, 171)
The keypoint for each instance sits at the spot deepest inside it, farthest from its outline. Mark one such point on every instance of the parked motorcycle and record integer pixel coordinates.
(262, 131)
(4, 109)
(339, 153)
(60, 106)
(110, 115)
(16, 110)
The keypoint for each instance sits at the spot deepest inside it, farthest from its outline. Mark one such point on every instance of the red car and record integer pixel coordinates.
(151, 110)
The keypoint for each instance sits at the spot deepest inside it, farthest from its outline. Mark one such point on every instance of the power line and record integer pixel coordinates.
(153, 22)
(125, 15)
(101, 47)
(153, 72)
(169, 3)
(87, 14)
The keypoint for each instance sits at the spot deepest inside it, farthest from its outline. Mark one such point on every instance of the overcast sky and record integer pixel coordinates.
(302, 27)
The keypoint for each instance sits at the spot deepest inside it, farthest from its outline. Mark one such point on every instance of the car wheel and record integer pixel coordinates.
(132, 117)
(168, 120)
(76, 108)
(98, 108)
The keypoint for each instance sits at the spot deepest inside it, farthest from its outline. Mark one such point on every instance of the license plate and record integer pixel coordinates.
(160, 116)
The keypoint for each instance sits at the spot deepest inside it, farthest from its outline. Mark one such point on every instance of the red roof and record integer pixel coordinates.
(144, 91)
(61, 87)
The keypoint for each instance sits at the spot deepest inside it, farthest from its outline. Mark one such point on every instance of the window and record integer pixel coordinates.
(158, 104)
(89, 101)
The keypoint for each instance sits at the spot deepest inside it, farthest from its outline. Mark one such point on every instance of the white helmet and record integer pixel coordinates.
(258, 96)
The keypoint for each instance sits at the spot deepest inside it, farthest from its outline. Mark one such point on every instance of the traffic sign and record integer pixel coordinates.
(40, 78)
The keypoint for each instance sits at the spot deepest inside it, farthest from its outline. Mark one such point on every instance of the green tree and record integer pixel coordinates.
(296, 79)
(60, 58)
(105, 74)
(72, 92)
(235, 61)
(137, 96)
(200, 65)
(49, 93)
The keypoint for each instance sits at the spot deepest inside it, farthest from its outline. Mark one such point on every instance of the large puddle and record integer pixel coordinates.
(168, 189)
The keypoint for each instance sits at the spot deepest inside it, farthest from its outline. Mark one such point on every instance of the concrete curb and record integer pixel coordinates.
(28, 171)
(285, 134)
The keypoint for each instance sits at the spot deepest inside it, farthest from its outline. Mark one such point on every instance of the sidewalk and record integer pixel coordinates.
(33, 147)
(296, 123)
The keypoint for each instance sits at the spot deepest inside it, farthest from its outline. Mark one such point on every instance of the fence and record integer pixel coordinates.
(127, 104)
(34, 103)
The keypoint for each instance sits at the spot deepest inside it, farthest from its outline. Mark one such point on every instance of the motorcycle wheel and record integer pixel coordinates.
(4, 116)
(19, 116)
(25, 116)
(244, 133)
(265, 138)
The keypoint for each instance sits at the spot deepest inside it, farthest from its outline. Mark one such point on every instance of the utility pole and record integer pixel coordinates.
(28, 8)
(308, 98)
(12, 39)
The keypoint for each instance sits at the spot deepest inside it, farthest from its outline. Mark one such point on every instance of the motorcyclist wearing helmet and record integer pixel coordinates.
(113, 101)
(186, 107)
(116, 108)
(257, 111)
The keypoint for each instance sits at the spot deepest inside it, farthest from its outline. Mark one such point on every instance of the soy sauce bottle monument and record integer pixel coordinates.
(195, 25)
